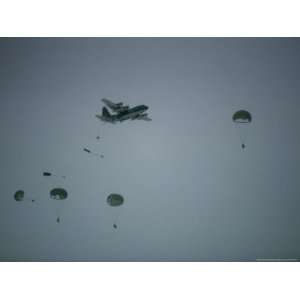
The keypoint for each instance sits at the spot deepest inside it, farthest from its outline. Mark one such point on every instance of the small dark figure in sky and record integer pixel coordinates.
(93, 153)
(57, 220)
(115, 226)
(243, 146)
(48, 174)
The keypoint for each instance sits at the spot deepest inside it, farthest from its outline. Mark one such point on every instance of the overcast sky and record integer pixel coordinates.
(191, 192)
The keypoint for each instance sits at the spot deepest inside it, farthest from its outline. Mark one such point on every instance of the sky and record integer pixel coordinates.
(191, 192)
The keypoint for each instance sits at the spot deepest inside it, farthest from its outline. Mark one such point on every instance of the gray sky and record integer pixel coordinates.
(191, 193)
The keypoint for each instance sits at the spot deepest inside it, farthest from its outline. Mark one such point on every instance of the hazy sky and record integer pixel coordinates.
(191, 192)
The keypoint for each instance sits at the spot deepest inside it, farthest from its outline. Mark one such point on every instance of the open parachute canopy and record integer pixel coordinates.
(242, 116)
(19, 195)
(115, 200)
(58, 194)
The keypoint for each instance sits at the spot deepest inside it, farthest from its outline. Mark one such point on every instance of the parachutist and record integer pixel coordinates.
(115, 226)
(57, 220)
(243, 146)
(98, 137)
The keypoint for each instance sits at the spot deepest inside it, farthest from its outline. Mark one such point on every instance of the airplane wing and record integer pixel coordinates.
(145, 119)
(115, 107)
(142, 117)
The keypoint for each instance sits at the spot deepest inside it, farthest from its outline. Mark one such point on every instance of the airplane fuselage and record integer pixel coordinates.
(131, 113)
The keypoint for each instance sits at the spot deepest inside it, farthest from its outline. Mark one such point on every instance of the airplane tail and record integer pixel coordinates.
(106, 116)
(106, 113)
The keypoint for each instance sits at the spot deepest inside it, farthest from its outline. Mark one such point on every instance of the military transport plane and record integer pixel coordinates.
(122, 112)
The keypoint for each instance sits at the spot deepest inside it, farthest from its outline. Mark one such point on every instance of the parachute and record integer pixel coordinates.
(19, 195)
(58, 194)
(242, 116)
(115, 200)
(242, 119)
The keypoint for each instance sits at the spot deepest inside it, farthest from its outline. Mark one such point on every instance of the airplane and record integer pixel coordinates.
(122, 112)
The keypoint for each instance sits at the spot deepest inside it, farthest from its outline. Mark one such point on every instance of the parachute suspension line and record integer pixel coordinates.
(242, 130)
(116, 217)
(58, 211)
(98, 133)
(57, 215)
